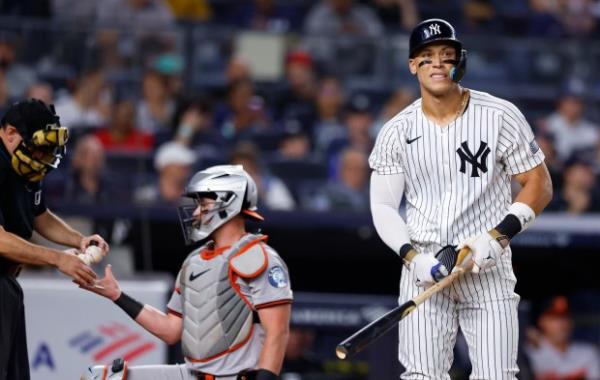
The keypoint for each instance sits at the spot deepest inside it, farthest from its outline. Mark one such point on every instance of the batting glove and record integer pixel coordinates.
(485, 251)
(427, 270)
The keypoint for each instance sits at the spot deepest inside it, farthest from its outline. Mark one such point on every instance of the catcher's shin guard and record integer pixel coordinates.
(116, 371)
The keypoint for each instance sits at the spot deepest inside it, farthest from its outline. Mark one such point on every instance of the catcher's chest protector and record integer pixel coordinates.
(217, 318)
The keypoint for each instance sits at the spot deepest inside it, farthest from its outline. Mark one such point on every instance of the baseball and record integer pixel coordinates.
(92, 255)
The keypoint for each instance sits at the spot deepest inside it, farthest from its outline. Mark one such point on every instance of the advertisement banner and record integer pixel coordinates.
(69, 329)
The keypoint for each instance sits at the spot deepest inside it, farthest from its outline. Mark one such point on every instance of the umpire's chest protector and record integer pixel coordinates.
(217, 317)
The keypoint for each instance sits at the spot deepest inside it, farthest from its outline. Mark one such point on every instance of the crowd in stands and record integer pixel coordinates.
(306, 137)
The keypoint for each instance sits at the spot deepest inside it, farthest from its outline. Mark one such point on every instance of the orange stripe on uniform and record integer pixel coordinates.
(271, 304)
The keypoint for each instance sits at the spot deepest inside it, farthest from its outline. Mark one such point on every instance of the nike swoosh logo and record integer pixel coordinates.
(410, 141)
(195, 276)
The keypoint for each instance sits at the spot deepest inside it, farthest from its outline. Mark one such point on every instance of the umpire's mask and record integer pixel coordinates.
(232, 190)
(43, 139)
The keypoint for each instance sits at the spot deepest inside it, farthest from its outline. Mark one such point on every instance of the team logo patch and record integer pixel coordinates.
(37, 197)
(277, 277)
(534, 147)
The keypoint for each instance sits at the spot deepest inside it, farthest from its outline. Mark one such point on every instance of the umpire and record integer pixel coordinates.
(33, 142)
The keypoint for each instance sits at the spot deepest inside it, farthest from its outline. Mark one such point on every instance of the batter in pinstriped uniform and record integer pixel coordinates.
(452, 154)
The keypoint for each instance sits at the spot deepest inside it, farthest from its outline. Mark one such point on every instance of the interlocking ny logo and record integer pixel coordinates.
(434, 29)
(477, 161)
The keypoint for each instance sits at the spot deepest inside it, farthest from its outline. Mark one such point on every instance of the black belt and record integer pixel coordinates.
(251, 375)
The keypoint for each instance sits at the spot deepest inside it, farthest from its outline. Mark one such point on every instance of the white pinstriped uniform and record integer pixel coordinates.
(458, 185)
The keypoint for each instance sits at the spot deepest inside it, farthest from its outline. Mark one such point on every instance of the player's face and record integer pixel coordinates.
(432, 66)
(203, 206)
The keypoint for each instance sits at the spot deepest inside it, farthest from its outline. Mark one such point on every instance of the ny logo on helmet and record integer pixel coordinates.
(477, 160)
(434, 29)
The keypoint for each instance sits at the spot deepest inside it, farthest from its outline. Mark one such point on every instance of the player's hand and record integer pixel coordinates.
(485, 251)
(71, 265)
(427, 270)
(107, 286)
(102, 244)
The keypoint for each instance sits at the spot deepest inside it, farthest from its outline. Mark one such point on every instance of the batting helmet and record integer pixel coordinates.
(436, 30)
(234, 192)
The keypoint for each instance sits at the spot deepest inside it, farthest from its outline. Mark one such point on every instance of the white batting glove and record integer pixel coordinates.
(427, 270)
(485, 251)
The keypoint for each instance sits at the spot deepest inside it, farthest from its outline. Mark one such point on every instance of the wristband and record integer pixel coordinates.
(407, 252)
(132, 307)
(265, 374)
(524, 213)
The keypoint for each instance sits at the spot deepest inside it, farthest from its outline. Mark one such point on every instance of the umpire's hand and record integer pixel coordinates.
(71, 265)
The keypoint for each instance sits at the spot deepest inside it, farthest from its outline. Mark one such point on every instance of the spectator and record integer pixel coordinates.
(341, 35)
(349, 192)
(42, 91)
(89, 106)
(396, 14)
(18, 77)
(328, 126)
(399, 100)
(174, 163)
(358, 120)
(570, 130)
(155, 109)
(553, 355)
(195, 129)
(237, 70)
(578, 193)
(295, 143)
(132, 29)
(336, 17)
(272, 192)
(244, 112)
(171, 66)
(87, 182)
(298, 100)
(555, 166)
(122, 135)
(298, 356)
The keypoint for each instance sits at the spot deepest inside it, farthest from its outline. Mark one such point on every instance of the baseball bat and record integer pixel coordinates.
(374, 330)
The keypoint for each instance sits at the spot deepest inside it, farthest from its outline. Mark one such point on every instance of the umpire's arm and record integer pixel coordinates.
(536, 191)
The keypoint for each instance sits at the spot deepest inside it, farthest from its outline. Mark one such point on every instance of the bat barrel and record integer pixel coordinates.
(371, 332)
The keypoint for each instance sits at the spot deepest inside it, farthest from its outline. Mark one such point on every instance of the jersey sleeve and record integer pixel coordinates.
(521, 151)
(39, 205)
(385, 157)
(273, 286)
(175, 305)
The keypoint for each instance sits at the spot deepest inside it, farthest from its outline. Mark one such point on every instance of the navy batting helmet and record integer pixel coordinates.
(436, 30)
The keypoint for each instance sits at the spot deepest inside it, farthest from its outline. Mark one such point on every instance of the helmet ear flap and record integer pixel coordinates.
(458, 71)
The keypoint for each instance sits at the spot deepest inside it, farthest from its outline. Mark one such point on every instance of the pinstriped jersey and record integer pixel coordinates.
(457, 177)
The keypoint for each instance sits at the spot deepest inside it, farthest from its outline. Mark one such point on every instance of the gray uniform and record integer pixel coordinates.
(220, 336)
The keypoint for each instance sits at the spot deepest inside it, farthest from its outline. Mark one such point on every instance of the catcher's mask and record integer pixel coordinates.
(232, 191)
(43, 142)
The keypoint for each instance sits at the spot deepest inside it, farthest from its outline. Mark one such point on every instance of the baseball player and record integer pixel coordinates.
(232, 299)
(32, 144)
(452, 154)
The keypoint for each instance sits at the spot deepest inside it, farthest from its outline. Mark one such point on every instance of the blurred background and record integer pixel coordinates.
(296, 91)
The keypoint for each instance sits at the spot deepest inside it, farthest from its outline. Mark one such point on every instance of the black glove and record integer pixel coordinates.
(447, 256)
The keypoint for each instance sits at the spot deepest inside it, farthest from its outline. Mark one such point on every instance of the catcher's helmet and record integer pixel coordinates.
(436, 30)
(234, 192)
(43, 139)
